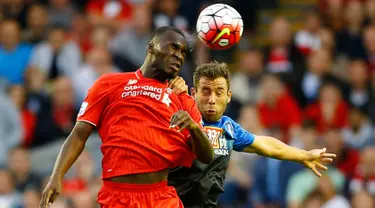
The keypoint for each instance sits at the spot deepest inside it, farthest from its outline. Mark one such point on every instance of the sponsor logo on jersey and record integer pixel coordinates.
(217, 139)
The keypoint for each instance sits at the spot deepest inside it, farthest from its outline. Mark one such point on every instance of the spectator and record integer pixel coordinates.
(282, 56)
(60, 12)
(364, 175)
(307, 137)
(37, 20)
(31, 198)
(330, 110)
(271, 179)
(80, 32)
(331, 198)
(332, 13)
(98, 63)
(108, 12)
(319, 67)
(101, 37)
(8, 195)
(136, 38)
(245, 82)
(56, 56)
(369, 42)
(328, 41)
(314, 200)
(363, 199)
(360, 94)
(359, 133)
(14, 56)
(349, 40)
(56, 119)
(83, 200)
(370, 12)
(303, 183)
(15, 10)
(346, 158)
(277, 108)
(308, 38)
(82, 178)
(166, 14)
(17, 94)
(20, 167)
(10, 127)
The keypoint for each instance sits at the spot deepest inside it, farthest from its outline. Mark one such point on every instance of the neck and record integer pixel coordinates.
(149, 71)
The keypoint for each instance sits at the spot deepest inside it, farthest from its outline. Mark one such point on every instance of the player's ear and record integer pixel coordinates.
(151, 47)
(229, 96)
(193, 92)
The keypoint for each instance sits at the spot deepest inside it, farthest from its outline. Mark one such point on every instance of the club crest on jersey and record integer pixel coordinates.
(217, 139)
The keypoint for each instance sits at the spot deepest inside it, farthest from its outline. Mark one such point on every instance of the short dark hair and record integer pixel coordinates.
(212, 70)
(161, 30)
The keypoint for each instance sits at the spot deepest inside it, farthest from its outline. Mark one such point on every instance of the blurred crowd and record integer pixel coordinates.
(312, 88)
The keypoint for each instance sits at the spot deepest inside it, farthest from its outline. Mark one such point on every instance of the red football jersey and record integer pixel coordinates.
(132, 114)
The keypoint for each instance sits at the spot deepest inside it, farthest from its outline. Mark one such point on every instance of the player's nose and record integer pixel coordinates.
(212, 100)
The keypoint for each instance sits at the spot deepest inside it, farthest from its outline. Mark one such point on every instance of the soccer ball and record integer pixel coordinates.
(219, 26)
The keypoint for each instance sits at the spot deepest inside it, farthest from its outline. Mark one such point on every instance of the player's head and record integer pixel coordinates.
(212, 90)
(167, 50)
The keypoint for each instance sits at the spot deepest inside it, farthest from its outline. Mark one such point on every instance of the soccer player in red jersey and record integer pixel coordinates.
(145, 128)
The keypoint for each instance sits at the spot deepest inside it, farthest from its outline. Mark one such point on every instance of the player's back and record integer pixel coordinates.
(132, 114)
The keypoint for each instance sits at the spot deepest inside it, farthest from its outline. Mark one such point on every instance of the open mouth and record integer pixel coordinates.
(211, 112)
(176, 66)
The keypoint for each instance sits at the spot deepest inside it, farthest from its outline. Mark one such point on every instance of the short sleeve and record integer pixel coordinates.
(94, 103)
(189, 105)
(242, 138)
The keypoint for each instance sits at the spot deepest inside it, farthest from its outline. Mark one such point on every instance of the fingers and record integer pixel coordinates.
(328, 155)
(326, 159)
(178, 85)
(322, 167)
(44, 202)
(180, 119)
(316, 172)
(53, 197)
(181, 122)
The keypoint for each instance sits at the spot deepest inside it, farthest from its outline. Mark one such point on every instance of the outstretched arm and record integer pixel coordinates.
(70, 151)
(271, 147)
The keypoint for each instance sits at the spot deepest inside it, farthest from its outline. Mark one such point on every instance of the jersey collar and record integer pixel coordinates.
(140, 76)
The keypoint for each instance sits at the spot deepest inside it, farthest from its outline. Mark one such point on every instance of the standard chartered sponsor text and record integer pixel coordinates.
(145, 90)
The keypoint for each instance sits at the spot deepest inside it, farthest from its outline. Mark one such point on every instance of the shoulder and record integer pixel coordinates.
(186, 100)
(116, 77)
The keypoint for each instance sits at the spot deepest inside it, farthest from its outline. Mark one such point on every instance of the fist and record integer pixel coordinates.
(178, 85)
(182, 120)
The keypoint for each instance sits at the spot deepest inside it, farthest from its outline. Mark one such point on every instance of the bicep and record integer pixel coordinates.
(82, 130)
(256, 146)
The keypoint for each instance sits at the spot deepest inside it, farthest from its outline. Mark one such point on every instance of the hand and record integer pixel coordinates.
(178, 85)
(182, 120)
(50, 193)
(317, 156)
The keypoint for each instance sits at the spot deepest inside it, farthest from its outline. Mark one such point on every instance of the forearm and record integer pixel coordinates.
(202, 147)
(71, 149)
(271, 147)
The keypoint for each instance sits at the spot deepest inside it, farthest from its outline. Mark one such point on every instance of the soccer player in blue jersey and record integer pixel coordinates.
(201, 185)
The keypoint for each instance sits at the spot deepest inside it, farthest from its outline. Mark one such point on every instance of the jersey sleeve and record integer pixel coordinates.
(189, 105)
(242, 138)
(94, 102)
